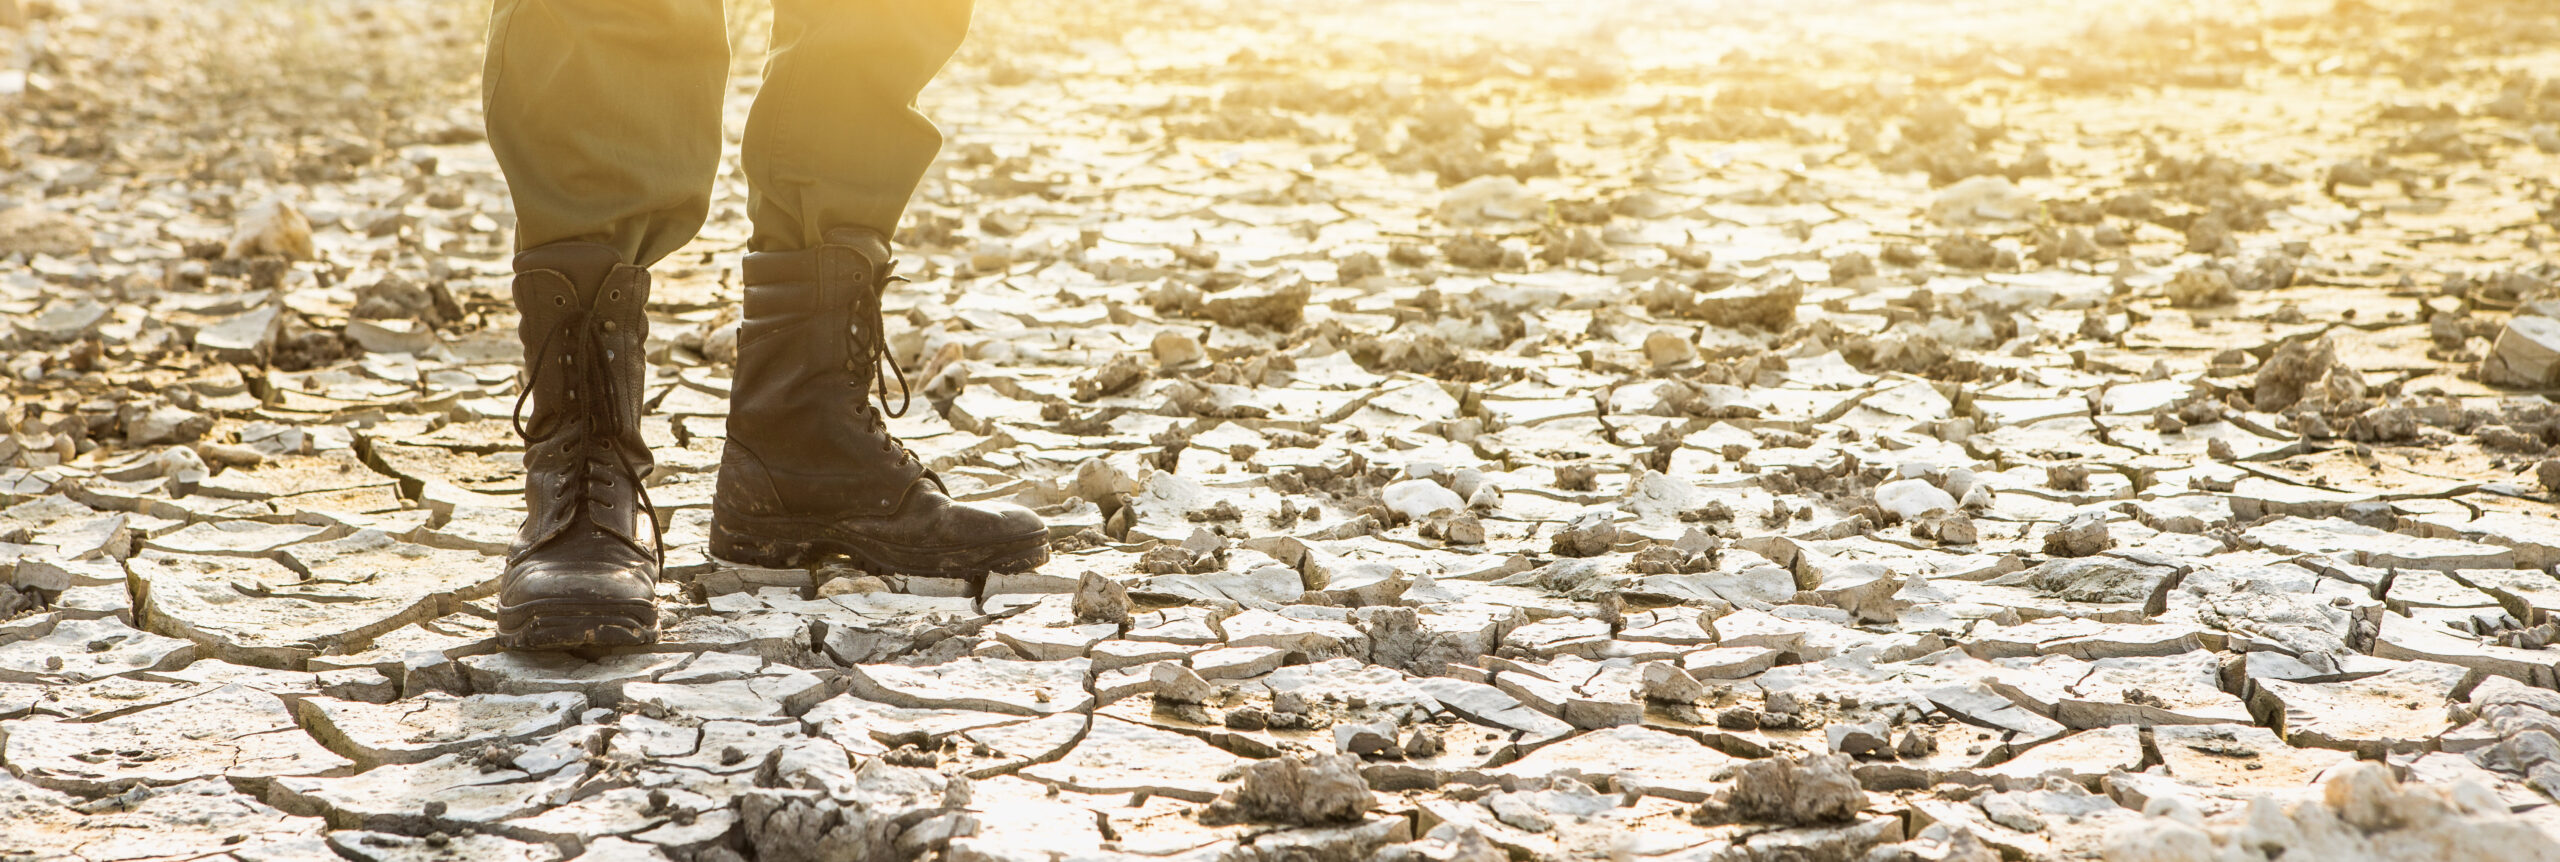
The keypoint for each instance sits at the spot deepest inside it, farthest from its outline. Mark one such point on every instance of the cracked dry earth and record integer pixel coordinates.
(1633, 431)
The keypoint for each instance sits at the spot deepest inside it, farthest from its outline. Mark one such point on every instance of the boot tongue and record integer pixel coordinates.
(866, 242)
(584, 383)
(586, 265)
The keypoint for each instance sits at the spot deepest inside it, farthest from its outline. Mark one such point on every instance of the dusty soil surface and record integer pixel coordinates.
(1471, 431)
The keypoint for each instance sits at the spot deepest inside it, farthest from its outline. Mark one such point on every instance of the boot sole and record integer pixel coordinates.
(1019, 554)
(566, 624)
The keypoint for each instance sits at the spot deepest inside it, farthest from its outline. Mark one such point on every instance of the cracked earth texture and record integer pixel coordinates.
(1471, 431)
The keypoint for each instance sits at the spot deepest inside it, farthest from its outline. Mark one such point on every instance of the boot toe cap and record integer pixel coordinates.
(583, 580)
(1006, 521)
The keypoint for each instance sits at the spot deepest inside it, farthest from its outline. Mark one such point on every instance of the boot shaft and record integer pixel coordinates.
(802, 304)
(584, 323)
(802, 427)
(584, 329)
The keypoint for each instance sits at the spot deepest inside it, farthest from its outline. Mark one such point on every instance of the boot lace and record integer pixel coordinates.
(871, 330)
(585, 332)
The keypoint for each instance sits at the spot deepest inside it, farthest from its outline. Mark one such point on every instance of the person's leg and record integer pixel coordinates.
(834, 147)
(835, 139)
(605, 116)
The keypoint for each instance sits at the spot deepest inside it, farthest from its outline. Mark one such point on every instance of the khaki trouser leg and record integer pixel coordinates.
(605, 117)
(835, 139)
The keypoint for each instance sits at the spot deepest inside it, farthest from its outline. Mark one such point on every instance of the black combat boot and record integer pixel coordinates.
(810, 469)
(579, 575)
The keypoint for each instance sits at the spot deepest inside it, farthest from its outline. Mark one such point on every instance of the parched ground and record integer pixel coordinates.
(1471, 431)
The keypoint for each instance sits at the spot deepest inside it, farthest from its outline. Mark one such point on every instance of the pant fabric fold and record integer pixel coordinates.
(605, 117)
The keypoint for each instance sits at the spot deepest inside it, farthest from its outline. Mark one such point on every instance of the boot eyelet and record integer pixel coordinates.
(608, 326)
(559, 301)
(613, 294)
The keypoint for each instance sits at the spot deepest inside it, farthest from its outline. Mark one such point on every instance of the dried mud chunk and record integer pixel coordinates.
(1174, 349)
(2138, 206)
(1166, 560)
(315, 348)
(1357, 266)
(2074, 212)
(1421, 353)
(1946, 527)
(2078, 536)
(272, 229)
(1941, 842)
(66, 319)
(1666, 349)
(29, 230)
(1303, 790)
(2387, 424)
(1908, 499)
(1582, 212)
(1281, 308)
(1966, 251)
(2361, 812)
(2352, 173)
(246, 337)
(1473, 251)
(2054, 246)
(1859, 740)
(1416, 499)
(1766, 305)
(1557, 247)
(2067, 477)
(862, 817)
(1377, 739)
(1489, 199)
(1100, 599)
(1455, 529)
(1814, 790)
(2526, 354)
(2291, 372)
(1851, 267)
(1422, 742)
(2202, 287)
(1577, 477)
(1589, 534)
(1113, 378)
(150, 423)
(2210, 235)
(1221, 400)
(1668, 560)
(1174, 297)
(398, 298)
(1174, 683)
(2502, 438)
(1980, 199)
(2272, 272)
